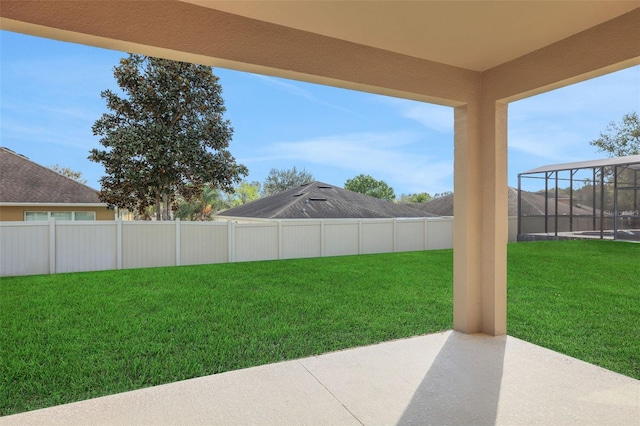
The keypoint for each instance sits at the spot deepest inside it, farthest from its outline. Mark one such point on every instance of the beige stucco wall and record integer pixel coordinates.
(16, 213)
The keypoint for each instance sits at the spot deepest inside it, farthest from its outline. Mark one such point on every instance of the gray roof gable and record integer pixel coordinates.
(318, 200)
(23, 181)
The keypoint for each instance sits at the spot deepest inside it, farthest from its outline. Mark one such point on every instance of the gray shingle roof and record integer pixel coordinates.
(532, 205)
(23, 181)
(317, 200)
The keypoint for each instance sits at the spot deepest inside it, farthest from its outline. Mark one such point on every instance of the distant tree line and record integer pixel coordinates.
(165, 147)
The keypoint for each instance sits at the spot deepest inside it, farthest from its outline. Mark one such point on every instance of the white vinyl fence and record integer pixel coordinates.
(28, 248)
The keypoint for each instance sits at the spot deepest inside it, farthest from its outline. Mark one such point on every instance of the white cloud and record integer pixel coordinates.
(556, 127)
(431, 116)
(398, 158)
(556, 147)
(434, 117)
(295, 89)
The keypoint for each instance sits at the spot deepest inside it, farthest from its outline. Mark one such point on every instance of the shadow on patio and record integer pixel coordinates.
(462, 385)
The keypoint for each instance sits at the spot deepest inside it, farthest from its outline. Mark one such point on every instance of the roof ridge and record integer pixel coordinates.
(25, 181)
(47, 169)
(308, 186)
(284, 203)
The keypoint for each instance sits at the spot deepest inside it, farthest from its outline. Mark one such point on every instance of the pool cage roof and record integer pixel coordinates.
(585, 199)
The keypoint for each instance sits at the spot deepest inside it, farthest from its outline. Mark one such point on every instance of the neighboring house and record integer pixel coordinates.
(317, 200)
(29, 191)
(532, 204)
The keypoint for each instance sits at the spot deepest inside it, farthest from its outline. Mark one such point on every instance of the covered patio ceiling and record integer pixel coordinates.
(433, 51)
(476, 56)
(475, 35)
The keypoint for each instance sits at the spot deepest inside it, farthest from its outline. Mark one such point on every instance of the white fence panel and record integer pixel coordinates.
(24, 248)
(256, 241)
(28, 248)
(148, 244)
(203, 243)
(410, 235)
(85, 246)
(341, 238)
(301, 239)
(377, 237)
(439, 233)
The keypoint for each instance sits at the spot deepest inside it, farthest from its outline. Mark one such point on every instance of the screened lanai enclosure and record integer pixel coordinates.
(587, 199)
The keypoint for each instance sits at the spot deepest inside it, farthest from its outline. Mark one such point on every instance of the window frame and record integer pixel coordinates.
(50, 213)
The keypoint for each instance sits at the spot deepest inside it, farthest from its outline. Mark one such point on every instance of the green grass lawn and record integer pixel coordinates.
(70, 337)
(580, 298)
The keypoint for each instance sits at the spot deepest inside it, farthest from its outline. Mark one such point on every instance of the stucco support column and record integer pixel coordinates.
(480, 218)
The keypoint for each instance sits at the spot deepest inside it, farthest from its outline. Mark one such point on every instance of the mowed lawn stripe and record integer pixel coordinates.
(70, 337)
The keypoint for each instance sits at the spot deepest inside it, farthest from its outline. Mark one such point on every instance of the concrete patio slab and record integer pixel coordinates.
(443, 378)
(457, 379)
(275, 394)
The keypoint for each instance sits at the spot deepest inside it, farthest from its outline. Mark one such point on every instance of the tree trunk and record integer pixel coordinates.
(167, 207)
(158, 207)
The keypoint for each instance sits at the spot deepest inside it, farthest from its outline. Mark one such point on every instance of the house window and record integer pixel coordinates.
(33, 216)
(61, 215)
(84, 216)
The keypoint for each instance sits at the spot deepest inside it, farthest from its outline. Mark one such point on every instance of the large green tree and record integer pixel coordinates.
(365, 184)
(165, 138)
(280, 180)
(620, 139)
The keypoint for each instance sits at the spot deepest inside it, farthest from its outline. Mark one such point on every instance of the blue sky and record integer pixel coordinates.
(50, 97)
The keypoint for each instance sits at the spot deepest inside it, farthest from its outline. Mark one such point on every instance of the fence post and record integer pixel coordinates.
(395, 234)
(321, 237)
(359, 236)
(178, 246)
(119, 243)
(52, 246)
(424, 240)
(230, 237)
(279, 239)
